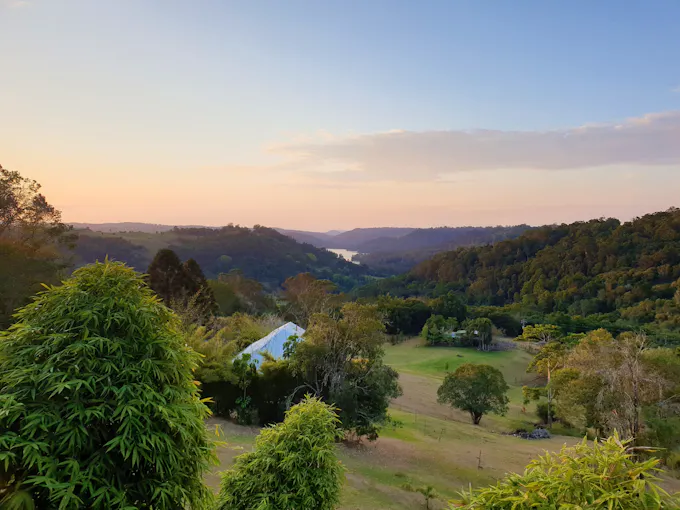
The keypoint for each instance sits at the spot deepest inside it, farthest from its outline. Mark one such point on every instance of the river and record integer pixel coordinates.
(345, 254)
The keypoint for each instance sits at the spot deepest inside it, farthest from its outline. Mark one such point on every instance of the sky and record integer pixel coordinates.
(342, 114)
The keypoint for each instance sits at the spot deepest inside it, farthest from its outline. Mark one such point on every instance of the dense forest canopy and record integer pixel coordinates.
(630, 271)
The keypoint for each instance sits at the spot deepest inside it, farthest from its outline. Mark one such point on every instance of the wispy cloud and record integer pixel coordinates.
(14, 4)
(652, 139)
(676, 89)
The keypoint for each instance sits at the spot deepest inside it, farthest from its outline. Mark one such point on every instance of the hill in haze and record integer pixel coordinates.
(391, 256)
(349, 240)
(260, 253)
(123, 227)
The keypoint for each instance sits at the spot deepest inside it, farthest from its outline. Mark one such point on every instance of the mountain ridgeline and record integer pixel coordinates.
(259, 253)
(389, 256)
(355, 240)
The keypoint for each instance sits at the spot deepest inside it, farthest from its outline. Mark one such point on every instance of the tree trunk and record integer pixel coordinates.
(550, 397)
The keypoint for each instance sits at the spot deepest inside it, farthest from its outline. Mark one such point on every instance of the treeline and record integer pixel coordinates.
(621, 275)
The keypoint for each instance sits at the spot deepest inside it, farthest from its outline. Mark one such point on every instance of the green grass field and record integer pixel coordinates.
(414, 357)
(433, 445)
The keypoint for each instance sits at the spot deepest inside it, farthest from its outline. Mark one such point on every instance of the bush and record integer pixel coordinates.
(293, 466)
(602, 476)
(98, 406)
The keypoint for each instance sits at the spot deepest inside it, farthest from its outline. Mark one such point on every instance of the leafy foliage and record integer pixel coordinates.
(236, 293)
(25, 215)
(404, 316)
(601, 476)
(479, 330)
(293, 466)
(477, 389)
(305, 296)
(450, 306)
(437, 330)
(32, 237)
(540, 333)
(606, 383)
(601, 273)
(341, 360)
(98, 405)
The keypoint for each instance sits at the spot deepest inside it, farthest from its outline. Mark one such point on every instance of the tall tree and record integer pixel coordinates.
(31, 232)
(306, 295)
(166, 276)
(482, 330)
(613, 380)
(198, 288)
(182, 287)
(25, 215)
(547, 361)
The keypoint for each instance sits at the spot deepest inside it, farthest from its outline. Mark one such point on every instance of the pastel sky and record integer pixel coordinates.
(339, 114)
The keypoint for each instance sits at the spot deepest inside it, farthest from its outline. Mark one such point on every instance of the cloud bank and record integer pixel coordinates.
(653, 139)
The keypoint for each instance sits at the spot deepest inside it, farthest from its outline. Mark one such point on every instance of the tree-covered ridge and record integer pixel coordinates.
(595, 267)
(387, 257)
(259, 253)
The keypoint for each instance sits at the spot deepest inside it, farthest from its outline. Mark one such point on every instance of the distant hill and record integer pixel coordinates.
(260, 253)
(443, 238)
(124, 227)
(349, 240)
(318, 239)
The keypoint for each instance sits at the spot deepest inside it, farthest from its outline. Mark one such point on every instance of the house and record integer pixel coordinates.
(272, 343)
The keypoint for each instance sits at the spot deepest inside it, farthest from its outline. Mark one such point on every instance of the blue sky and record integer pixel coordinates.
(366, 112)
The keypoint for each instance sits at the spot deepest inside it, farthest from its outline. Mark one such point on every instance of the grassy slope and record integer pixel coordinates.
(434, 445)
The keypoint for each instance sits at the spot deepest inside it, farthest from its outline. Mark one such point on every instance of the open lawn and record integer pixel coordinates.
(433, 445)
(423, 368)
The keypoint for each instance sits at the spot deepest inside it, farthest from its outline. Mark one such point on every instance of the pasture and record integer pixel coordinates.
(433, 445)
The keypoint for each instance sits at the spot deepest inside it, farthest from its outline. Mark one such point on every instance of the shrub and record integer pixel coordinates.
(604, 475)
(293, 466)
(98, 406)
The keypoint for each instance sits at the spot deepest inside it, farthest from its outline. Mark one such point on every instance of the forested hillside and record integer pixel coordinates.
(628, 270)
(389, 256)
(260, 253)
